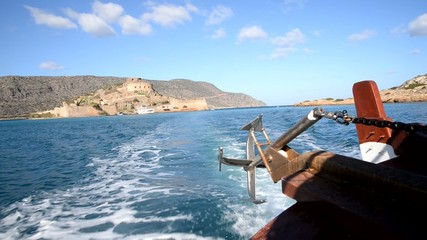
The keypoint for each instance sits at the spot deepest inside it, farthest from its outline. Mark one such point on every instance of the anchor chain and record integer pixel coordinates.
(342, 117)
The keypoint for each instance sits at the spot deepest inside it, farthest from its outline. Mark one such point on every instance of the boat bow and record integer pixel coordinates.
(381, 195)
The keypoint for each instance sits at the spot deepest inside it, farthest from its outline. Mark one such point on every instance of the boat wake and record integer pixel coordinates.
(121, 199)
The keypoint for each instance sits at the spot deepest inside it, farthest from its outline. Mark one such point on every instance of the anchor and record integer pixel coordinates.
(253, 160)
(260, 155)
(254, 155)
(281, 161)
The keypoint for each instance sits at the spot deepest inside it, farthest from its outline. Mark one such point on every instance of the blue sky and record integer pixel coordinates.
(279, 52)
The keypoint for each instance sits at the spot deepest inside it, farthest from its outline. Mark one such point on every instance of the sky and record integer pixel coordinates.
(279, 52)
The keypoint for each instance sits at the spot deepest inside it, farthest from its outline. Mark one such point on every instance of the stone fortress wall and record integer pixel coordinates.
(126, 98)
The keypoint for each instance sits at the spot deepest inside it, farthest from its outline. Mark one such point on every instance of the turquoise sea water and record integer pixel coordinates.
(151, 176)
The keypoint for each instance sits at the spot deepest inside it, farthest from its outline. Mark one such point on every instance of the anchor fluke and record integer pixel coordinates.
(255, 124)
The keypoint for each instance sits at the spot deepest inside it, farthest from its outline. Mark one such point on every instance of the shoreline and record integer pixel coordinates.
(313, 103)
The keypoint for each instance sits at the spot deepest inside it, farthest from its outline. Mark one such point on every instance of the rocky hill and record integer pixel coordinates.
(412, 90)
(21, 96)
(215, 98)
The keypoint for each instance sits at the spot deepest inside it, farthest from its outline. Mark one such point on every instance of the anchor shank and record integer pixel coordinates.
(296, 130)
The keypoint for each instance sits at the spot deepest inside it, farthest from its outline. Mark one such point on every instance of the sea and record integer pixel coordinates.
(152, 176)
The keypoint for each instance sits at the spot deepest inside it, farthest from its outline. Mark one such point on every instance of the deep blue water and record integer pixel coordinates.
(151, 176)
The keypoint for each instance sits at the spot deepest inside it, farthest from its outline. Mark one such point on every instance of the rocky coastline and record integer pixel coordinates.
(413, 90)
(50, 98)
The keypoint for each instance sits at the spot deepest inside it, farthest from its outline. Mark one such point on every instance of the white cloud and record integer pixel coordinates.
(418, 27)
(191, 8)
(43, 18)
(218, 15)
(92, 24)
(109, 12)
(168, 15)
(291, 38)
(98, 22)
(49, 65)
(415, 51)
(219, 33)
(252, 32)
(286, 44)
(131, 25)
(364, 35)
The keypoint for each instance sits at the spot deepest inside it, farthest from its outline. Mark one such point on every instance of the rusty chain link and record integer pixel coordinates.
(342, 117)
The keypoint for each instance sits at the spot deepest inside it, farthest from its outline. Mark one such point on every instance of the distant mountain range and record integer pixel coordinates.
(21, 96)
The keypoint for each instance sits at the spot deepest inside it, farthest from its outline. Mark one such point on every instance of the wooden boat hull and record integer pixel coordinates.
(338, 195)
